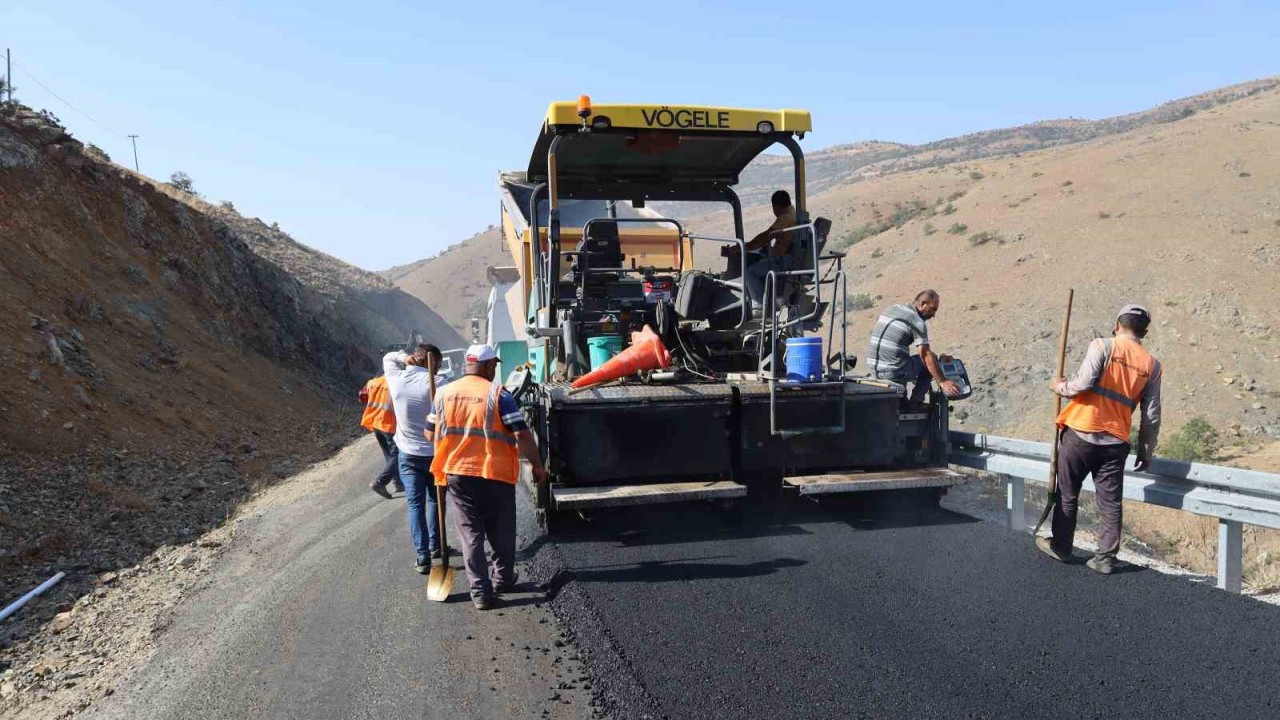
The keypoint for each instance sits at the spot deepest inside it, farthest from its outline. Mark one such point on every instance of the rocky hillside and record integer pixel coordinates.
(454, 282)
(1177, 206)
(158, 357)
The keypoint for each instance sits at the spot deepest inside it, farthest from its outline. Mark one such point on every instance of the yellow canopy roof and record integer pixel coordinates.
(684, 118)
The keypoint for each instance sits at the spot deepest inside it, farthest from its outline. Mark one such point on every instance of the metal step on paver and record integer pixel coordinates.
(868, 481)
(602, 496)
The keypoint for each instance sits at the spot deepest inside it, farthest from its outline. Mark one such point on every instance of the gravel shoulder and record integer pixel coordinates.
(305, 605)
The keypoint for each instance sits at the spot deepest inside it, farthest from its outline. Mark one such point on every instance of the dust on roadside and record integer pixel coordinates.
(75, 644)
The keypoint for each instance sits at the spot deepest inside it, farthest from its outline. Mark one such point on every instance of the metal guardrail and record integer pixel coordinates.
(1234, 496)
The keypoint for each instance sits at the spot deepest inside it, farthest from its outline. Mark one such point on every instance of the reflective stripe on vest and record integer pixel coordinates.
(1113, 395)
(479, 432)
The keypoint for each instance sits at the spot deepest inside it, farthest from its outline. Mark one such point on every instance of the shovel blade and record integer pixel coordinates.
(440, 583)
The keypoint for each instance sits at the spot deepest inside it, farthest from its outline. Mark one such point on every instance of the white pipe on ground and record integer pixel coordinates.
(17, 604)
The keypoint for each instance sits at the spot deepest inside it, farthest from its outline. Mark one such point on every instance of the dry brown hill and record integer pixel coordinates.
(454, 282)
(1178, 207)
(157, 355)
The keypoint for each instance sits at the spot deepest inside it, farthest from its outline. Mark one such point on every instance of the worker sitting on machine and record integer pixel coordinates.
(775, 244)
(889, 352)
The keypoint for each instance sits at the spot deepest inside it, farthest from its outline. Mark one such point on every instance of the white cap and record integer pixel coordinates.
(1133, 310)
(480, 353)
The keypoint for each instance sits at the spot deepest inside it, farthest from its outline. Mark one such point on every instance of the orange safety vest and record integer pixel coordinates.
(379, 414)
(1108, 406)
(470, 438)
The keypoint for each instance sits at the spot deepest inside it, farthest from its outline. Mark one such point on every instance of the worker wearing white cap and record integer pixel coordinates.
(1117, 376)
(480, 436)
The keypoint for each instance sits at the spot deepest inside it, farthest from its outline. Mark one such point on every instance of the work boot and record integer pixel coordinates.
(1046, 547)
(483, 603)
(436, 555)
(380, 490)
(1104, 564)
(506, 587)
(423, 564)
(399, 487)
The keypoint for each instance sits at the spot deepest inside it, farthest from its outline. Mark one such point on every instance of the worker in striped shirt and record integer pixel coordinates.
(900, 328)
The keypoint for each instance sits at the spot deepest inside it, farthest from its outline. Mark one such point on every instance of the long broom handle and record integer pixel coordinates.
(1057, 410)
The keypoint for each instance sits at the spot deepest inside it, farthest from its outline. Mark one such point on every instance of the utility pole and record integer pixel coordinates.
(134, 140)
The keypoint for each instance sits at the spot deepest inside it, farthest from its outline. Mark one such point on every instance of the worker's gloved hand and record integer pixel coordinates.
(539, 474)
(1142, 464)
(1054, 383)
(950, 388)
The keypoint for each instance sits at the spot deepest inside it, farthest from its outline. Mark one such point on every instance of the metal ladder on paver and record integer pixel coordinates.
(767, 363)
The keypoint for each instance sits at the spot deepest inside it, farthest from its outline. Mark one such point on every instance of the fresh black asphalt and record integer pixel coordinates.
(857, 608)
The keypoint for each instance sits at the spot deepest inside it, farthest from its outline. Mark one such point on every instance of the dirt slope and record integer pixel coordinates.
(454, 281)
(158, 358)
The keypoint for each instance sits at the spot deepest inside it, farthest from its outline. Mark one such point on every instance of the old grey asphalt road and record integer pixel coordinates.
(855, 609)
(315, 612)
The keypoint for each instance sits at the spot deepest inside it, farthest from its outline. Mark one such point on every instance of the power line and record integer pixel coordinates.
(66, 102)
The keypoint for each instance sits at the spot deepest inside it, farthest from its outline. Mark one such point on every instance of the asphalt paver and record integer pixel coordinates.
(871, 607)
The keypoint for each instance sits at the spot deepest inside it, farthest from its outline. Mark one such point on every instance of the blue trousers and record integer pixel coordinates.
(420, 499)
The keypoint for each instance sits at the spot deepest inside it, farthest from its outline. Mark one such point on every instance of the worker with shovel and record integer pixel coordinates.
(1117, 376)
(480, 436)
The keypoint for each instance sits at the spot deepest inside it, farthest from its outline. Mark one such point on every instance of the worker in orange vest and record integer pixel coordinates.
(380, 419)
(480, 436)
(1117, 376)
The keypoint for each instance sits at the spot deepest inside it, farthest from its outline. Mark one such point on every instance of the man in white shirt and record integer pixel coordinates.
(411, 380)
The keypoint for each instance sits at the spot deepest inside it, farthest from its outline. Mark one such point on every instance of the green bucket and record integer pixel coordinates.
(603, 347)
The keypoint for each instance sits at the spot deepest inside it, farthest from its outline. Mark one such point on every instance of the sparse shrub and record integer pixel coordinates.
(955, 195)
(227, 205)
(878, 252)
(948, 209)
(902, 214)
(957, 229)
(1036, 174)
(1103, 215)
(975, 175)
(861, 301)
(1244, 174)
(1197, 441)
(96, 153)
(1067, 184)
(182, 181)
(862, 233)
(984, 237)
(929, 229)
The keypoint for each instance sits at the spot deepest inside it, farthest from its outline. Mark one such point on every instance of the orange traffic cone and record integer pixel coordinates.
(646, 353)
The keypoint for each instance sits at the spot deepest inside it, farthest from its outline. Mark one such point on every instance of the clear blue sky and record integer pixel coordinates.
(375, 130)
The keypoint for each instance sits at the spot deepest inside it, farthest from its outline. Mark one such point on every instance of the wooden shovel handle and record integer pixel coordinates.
(1057, 403)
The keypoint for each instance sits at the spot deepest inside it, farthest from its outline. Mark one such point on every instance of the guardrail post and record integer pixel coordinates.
(1016, 504)
(1230, 554)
